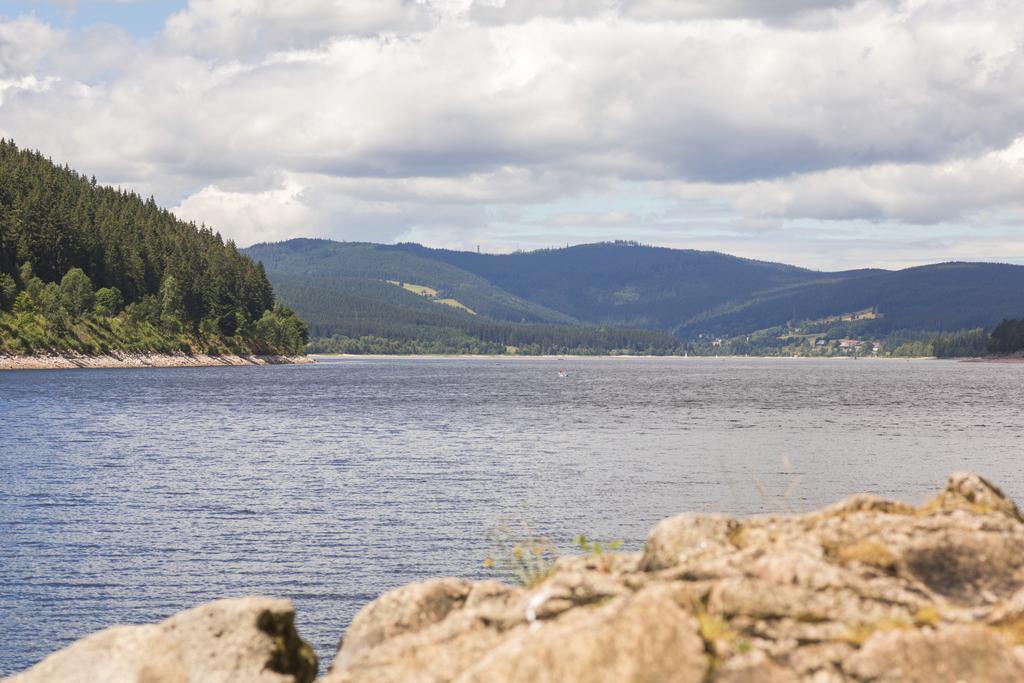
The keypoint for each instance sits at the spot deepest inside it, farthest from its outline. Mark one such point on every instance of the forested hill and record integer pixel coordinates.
(623, 283)
(92, 268)
(324, 259)
(368, 298)
(696, 292)
(692, 295)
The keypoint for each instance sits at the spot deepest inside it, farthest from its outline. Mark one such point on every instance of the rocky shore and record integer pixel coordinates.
(125, 359)
(866, 590)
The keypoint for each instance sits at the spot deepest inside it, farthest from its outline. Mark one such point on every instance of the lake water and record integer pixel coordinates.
(127, 495)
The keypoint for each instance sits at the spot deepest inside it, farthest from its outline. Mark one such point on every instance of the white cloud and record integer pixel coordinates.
(219, 28)
(384, 118)
(261, 216)
(519, 11)
(915, 193)
(26, 83)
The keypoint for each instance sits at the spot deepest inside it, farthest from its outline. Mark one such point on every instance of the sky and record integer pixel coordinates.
(828, 134)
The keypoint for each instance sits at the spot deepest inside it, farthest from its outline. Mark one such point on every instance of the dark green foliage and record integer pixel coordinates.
(281, 331)
(966, 344)
(108, 301)
(76, 292)
(1007, 337)
(172, 300)
(8, 292)
(110, 249)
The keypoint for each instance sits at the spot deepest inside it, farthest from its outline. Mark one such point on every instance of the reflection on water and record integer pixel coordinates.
(126, 495)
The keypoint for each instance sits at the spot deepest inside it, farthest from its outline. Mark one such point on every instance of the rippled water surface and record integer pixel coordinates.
(127, 495)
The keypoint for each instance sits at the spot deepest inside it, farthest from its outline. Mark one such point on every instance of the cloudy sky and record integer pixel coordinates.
(829, 134)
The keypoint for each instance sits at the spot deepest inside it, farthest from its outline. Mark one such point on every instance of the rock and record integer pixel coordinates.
(823, 656)
(866, 502)
(119, 654)
(435, 634)
(957, 653)
(1011, 611)
(688, 538)
(863, 591)
(756, 667)
(435, 654)
(404, 610)
(236, 639)
(854, 592)
(644, 637)
(966, 566)
(966, 490)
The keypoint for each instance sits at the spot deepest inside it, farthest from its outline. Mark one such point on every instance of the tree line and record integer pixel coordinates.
(359, 315)
(1007, 337)
(74, 253)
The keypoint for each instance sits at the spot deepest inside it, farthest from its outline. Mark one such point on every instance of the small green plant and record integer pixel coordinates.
(592, 547)
(519, 554)
(711, 626)
(598, 552)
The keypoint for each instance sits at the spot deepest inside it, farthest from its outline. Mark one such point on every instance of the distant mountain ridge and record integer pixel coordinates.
(686, 293)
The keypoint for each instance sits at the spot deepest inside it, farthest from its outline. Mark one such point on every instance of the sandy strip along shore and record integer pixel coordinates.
(124, 359)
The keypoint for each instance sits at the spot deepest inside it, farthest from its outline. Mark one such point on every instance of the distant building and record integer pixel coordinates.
(849, 344)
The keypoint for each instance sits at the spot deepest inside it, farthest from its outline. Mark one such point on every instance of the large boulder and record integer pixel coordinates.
(404, 610)
(955, 653)
(642, 637)
(863, 590)
(236, 639)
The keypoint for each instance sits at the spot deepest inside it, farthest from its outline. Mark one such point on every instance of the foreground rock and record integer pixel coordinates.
(238, 639)
(864, 590)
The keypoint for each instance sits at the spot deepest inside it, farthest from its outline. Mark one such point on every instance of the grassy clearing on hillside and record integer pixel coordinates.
(432, 294)
(454, 303)
(422, 290)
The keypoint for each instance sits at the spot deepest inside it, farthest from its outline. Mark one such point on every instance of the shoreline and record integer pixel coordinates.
(515, 357)
(126, 359)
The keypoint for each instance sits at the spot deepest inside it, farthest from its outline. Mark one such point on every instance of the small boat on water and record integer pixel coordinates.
(562, 374)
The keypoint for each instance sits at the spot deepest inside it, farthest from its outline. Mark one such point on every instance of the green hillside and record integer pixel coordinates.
(323, 259)
(92, 269)
(346, 295)
(623, 283)
(941, 297)
(690, 294)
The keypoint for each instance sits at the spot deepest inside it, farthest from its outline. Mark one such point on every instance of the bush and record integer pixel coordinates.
(108, 301)
(145, 311)
(76, 292)
(23, 303)
(281, 331)
(8, 292)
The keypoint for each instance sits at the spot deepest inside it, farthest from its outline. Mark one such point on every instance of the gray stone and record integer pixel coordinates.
(966, 653)
(236, 639)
